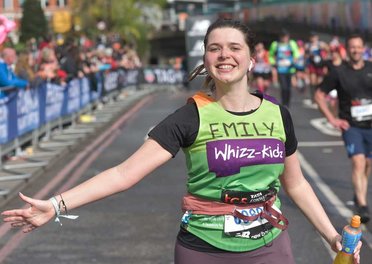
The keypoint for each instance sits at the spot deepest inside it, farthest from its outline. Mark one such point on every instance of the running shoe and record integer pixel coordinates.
(364, 214)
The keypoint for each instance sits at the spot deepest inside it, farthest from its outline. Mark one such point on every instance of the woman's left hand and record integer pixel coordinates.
(336, 246)
(357, 253)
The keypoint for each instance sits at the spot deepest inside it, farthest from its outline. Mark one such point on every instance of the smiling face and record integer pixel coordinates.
(227, 56)
(355, 49)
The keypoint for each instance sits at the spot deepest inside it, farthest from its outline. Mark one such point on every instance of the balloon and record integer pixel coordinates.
(6, 26)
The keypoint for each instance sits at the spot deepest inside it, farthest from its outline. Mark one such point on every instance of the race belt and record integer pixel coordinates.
(197, 205)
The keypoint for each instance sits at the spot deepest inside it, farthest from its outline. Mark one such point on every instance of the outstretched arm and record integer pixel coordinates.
(116, 179)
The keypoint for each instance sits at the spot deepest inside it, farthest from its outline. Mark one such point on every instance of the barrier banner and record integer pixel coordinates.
(128, 77)
(111, 81)
(162, 76)
(22, 111)
(71, 102)
(132, 77)
(84, 92)
(196, 28)
(122, 77)
(12, 116)
(4, 120)
(96, 91)
(42, 99)
(28, 117)
(53, 103)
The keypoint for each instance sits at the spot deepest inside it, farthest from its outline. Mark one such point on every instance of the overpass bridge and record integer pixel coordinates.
(266, 18)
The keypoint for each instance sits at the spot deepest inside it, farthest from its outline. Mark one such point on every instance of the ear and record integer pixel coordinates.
(251, 64)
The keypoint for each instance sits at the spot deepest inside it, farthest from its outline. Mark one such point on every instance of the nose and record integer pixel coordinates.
(224, 53)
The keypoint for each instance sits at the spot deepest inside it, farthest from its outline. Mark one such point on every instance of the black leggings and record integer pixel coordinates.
(278, 252)
(285, 82)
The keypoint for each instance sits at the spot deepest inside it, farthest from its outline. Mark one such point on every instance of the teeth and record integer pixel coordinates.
(225, 67)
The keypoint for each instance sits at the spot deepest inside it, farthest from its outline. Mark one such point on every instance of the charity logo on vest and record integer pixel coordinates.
(226, 157)
(239, 197)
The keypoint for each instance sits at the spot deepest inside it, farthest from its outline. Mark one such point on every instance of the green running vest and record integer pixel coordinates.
(233, 153)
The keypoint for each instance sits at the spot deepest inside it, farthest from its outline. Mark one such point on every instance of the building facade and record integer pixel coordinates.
(12, 9)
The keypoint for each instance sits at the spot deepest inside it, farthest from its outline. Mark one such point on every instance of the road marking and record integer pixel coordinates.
(320, 143)
(323, 126)
(83, 160)
(332, 198)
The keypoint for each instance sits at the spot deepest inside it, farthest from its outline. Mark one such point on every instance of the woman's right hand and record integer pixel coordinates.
(38, 214)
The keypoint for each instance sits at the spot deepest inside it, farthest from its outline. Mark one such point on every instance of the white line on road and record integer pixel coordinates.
(320, 143)
(332, 198)
(323, 126)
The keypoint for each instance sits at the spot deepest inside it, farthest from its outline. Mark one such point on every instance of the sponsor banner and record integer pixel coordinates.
(131, 77)
(25, 110)
(196, 28)
(96, 89)
(72, 97)
(111, 81)
(28, 117)
(4, 119)
(84, 92)
(162, 76)
(53, 103)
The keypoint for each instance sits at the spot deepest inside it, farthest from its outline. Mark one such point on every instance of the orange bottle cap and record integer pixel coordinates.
(355, 221)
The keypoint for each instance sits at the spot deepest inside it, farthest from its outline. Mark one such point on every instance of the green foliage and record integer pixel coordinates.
(33, 22)
(20, 47)
(127, 18)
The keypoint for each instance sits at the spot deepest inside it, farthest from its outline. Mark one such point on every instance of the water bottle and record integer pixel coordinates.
(351, 235)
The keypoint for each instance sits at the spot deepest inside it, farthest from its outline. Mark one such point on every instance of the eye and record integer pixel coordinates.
(235, 48)
(213, 49)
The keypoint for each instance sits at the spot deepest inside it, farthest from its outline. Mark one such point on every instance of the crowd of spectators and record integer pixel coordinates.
(60, 61)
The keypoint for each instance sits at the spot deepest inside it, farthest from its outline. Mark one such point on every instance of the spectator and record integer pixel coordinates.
(49, 68)
(70, 61)
(130, 59)
(117, 51)
(24, 68)
(7, 76)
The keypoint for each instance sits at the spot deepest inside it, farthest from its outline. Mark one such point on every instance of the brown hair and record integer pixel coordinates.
(353, 36)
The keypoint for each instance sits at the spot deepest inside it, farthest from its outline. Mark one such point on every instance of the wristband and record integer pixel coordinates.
(58, 211)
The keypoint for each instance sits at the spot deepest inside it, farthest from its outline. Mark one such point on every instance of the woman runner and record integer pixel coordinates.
(240, 148)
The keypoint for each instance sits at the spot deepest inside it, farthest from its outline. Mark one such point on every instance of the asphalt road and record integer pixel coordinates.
(140, 225)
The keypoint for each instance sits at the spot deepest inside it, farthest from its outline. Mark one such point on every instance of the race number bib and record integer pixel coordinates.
(361, 112)
(284, 63)
(236, 227)
(317, 59)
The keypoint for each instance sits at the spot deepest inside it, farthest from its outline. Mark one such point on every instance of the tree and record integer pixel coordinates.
(33, 21)
(129, 18)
